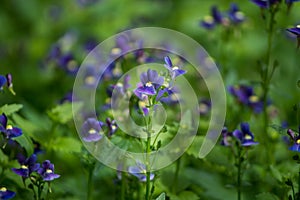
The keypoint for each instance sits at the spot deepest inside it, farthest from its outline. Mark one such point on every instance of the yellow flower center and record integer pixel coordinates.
(24, 167)
(298, 141)
(116, 51)
(248, 137)
(90, 80)
(92, 131)
(239, 15)
(113, 127)
(148, 84)
(208, 19)
(175, 68)
(72, 65)
(298, 26)
(254, 99)
(3, 189)
(49, 171)
(9, 127)
(203, 108)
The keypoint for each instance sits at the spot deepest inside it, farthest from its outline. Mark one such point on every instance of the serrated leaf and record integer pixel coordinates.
(64, 113)
(276, 174)
(266, 196)
(9, 109)
(26, 143)
(65, 144)
(162, 196)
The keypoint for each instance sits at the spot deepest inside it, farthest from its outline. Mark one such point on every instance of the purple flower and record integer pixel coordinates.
(245, 95)
(265, 3)
(8, 130)
(28, 165)
(140, 172)
(174, 70)
(6, 194)
(204, 106)
(215, 18)
(296, 31)
(112, 126)
(90, 77)
(2, 81)
(47, 171)
(235, 15)
(150, 82)
(68, 63)
(168, 96)
(244, 135)
(296, 140)
(91, 130)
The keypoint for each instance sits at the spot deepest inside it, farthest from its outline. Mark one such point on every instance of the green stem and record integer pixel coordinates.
(293, 191)
(123, 186)
(148, 150)
(40, 189)
(176, 175)
(239, 172)
(90, 183)
(298, 195)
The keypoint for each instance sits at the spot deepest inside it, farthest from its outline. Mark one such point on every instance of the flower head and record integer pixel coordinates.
(296, 31)
(91, 130)
(245, 95)
(28, 165)
(8, 130)
(6, 194)
(235, 15)
(244, 135)
(139, 171)
(47, 171)
(150, 81)
(296, 140)
(265, 3)
(174, 70)
(2, 81)
(215, 18)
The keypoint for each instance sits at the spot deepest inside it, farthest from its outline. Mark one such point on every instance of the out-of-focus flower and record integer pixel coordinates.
(112, 126)
(2, 81)
(10, 83)
(140, 172)
(244, 135)
(215, 18)
(47, 171)
(150, 81)
(296, 140)
(91, 130)
(235, 15)
(204, 106)
(226, 137)
(28, 165)
(296, 31)
(6, 194)
(265, 3)
(8, 130)
(245, 95)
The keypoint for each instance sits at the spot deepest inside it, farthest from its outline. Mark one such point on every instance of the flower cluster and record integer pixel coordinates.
(92, 130)
(232, 17)
(30, 167)
(245, 95)
(244, 137)
(266, 4)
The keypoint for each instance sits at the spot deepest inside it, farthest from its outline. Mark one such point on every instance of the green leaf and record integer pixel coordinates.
(276, 174)
(298, 83)
(26, 143)
(64, 113)
(162, 196)
(65, 144)
(9, 109)
(266, 196)
(188, 195)
(194, 148)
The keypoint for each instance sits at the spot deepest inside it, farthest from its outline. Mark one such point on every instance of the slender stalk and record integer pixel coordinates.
(298, 195)
(90, 183)
(40, 189)
(123, 186)
(176, 175)
(239, 172)
(148, 150)
(293, 191)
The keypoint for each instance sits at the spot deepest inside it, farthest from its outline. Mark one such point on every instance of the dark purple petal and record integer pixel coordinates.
(2, 81)
(15, 132)
(23, 171)
(216, 14)
(168, 62)
(179, 72)
(144, 78)
(3, 120)
(247, 143)
(148, 90)
(295, 147)
(294, 30)
(6, 194)
(245, 128)
(238, 134)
